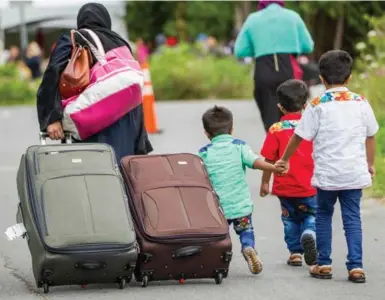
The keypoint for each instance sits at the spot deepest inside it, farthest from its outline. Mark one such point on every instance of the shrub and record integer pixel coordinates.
(13, 88)
(184, 72)
(368, 80)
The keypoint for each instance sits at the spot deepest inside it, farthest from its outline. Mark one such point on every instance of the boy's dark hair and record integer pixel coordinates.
(217, 120)
(292, 95)
(335, 66)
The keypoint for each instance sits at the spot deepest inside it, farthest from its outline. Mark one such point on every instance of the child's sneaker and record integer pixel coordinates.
(253, 261)
(309, 248)
(321, 272)
(295, 260)
(357, 275)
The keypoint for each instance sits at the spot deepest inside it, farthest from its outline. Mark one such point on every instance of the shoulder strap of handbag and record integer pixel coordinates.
(99, 52)
(97, 41)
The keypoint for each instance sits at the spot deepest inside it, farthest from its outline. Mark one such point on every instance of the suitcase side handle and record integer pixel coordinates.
(186, 251)
(90, 265)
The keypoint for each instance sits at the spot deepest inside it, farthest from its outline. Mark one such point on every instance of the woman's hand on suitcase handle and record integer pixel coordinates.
(55, 131)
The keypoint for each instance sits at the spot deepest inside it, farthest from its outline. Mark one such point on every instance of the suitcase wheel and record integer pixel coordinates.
(122, 283)
(46, 288)
(218, 278)
(145, 281)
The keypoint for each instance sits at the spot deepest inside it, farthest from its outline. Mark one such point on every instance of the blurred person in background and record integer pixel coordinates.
(14, 54)
(142, 51)
(171, 41)
(33, 59)
(273, 36)
(128, 135)
(160, 40)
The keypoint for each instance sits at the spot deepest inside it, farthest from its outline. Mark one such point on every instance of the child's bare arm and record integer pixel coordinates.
(266, 176)
(268, 167)
(370, 153)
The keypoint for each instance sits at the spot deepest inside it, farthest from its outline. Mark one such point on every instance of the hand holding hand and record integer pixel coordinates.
(282, 166)
(55, 131)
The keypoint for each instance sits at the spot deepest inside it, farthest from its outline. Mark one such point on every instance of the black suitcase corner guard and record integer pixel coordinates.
(227, 256)
(145, 257)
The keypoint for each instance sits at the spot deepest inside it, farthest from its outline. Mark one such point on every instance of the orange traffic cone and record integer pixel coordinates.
(149, 102)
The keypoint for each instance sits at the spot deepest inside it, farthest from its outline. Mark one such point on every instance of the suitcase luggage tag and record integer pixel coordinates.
(16, 231)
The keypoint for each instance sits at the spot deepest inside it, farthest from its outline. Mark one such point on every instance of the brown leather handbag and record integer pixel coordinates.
(76, 76)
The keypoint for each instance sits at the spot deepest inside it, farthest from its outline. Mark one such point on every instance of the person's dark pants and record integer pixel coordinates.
(270, 72)
(351, 218)
(298, 218)
(266, 100)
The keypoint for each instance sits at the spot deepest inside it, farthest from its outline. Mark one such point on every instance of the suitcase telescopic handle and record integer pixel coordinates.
(44, 135)
(187, 251)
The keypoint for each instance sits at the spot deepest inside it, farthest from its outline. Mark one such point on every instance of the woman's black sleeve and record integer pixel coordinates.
(49, 107)
(142, 144)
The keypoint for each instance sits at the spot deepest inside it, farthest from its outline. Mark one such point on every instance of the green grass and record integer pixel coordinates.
(25, 102)
(372, 88)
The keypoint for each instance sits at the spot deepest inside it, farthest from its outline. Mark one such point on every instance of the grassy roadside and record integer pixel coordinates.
(372, 89)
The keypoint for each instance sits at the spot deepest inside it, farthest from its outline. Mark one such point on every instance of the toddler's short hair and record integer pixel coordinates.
(336, 66)
(217, 120)
(292, 95)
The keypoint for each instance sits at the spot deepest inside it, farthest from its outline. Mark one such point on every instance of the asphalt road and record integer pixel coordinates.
(183, 132)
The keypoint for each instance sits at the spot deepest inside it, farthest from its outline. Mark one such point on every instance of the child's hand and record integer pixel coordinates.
(282, 166)
(264, 190)
(372, 171)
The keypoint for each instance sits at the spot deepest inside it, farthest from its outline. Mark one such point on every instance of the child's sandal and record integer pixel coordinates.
(295, 260)
(321, 272)
(357, 275)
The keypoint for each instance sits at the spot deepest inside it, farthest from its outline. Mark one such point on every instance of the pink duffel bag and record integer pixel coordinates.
(116, 82)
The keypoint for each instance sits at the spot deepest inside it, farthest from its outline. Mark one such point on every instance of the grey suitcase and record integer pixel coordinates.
(74, 207)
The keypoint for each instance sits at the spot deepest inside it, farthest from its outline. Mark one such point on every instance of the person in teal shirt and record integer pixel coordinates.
(226, 160)
(273, 36)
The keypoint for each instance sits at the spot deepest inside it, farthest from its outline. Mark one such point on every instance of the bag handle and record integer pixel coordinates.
(98, 55)
(96, 40)
(73, 39)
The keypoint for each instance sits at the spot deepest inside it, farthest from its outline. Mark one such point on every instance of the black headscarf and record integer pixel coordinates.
(95, 16)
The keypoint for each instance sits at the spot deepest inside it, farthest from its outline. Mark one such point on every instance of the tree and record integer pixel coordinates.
(145, 19)
(346, 19)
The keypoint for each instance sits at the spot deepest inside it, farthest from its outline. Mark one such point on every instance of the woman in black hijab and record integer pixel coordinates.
(128, 135)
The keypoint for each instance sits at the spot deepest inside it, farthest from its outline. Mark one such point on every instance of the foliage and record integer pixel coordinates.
(369, 80)
(13, 89)
(186, 19)
(321, 18)
(146, 19)
(210, 17)
(182, 72)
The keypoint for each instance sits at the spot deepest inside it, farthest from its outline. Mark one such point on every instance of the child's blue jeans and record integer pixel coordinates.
(351, 218)
(298, 217)
(244, 228)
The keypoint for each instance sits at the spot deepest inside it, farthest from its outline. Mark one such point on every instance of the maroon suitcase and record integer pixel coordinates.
(181, 229)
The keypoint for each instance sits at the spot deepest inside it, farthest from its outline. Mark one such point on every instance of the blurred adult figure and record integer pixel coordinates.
(14, 54)
(128, 135)
(33, 58)
(142, 51)
(273, 36)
